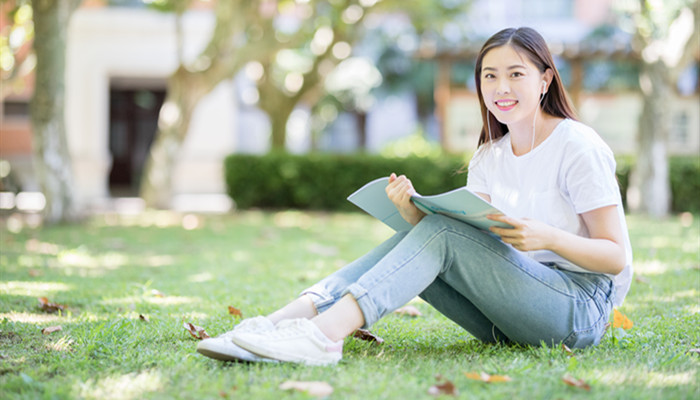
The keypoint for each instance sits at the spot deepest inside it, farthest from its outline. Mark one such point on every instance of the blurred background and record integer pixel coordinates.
(140, 103)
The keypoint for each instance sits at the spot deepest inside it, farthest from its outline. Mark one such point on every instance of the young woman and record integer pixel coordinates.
(553, 277)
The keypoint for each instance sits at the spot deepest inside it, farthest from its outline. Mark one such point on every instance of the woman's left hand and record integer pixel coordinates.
(526, 234)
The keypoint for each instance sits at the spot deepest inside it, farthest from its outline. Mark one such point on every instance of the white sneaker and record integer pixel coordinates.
(222, 348)
(295, 340)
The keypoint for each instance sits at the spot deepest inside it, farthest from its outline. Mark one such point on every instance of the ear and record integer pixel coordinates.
(547, 78)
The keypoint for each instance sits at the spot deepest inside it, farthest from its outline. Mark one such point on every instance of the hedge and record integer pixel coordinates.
(322, 181)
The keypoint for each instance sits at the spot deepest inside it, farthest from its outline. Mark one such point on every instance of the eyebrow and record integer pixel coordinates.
(509, 68)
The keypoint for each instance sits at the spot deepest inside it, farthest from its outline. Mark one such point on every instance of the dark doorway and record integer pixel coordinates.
(133, 120)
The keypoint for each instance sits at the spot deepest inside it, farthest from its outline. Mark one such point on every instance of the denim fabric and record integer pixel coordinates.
(493, 291)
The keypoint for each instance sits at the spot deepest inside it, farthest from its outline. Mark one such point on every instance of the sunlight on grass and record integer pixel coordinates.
(165, 300)
(34, 289)
(82, 259)
(293, 219)
(29, 318)
(653, 267)
(63, 344)
(201, 277)
(126, 386)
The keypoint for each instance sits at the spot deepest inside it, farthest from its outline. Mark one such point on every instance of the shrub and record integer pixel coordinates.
(322, 181)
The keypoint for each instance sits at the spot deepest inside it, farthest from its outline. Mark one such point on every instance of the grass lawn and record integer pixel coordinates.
(129, 283)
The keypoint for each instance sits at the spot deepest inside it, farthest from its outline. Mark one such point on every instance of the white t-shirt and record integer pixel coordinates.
(571, 172)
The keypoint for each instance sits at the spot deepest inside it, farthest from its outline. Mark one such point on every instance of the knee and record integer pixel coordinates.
(432, 221)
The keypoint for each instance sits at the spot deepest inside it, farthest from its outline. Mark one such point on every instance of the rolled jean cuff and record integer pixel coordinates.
(367, 306)
(321, 298)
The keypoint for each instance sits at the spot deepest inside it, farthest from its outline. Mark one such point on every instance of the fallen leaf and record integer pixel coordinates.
(694, 351)
(364, 334)
(312, 388)
(34, 273)
(567, 350)
(51, 329)
(197, 332)
(409, 311)
(579, 383)
(143, 318)
(49, 307)
(157, 293)
(620, 320)
(484, 377)
(234, 311)
(641, 279)
(443, 387)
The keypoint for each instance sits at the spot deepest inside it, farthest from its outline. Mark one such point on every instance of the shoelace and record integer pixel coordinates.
(285, 329)
(248, 324)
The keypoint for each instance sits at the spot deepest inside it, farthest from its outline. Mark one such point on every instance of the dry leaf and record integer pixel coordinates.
(313, 388)
(443, 387)
(49, 307)
(620, 320)
(484, 377)
(143, 318)
(410, 311)
(51, 329)
(579, 383)
(157, 293)
(34, 273)
(567, 350)
(364, 334)
(197, 332)
(234, 311)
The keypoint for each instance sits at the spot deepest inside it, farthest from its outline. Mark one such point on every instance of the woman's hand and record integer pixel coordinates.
(526, 234)
(603, 251)
(399, 190)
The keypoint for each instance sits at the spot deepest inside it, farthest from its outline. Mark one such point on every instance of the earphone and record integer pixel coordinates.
(544, 87)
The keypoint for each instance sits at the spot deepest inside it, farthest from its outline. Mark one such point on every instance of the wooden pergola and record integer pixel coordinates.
(575, 54)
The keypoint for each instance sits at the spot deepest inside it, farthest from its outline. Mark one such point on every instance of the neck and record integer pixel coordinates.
(521, 134)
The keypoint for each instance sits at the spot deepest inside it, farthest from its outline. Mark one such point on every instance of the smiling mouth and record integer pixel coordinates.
(506, 105)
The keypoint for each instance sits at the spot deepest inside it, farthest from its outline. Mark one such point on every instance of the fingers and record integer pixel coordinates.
(400, 189)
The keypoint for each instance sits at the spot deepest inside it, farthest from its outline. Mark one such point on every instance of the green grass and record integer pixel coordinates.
(113, 269)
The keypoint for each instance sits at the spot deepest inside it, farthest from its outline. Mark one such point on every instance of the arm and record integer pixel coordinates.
(603, 252)
(399, 190)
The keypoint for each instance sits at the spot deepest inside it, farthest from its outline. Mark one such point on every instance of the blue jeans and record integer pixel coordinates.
(493, 291)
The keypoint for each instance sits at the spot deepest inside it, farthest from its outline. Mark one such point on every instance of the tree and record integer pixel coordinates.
(668, 38)
(337, 27)
(263, 31)
(51, 157)
(242, 33)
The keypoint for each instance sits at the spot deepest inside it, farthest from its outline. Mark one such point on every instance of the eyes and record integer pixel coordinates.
(513, 75)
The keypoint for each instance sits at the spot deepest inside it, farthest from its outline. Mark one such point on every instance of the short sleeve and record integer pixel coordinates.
(591, 180)
(476, 175)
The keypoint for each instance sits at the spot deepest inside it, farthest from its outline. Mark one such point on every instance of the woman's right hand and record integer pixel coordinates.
(399, 190)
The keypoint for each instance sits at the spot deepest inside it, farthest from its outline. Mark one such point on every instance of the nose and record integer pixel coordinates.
(502, 86)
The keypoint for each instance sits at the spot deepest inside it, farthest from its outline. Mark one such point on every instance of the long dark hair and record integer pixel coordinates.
(530, 43)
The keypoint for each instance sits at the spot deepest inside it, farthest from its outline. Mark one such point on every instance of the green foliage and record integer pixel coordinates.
(685, 181)
(322, 181)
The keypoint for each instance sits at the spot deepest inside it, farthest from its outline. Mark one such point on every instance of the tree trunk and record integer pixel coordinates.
(226, 52)
(650, 189)
(184, 92)
(52, 161)
(361, 119)
(278, 124)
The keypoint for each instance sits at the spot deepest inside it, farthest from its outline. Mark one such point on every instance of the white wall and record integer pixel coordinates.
(107, 43)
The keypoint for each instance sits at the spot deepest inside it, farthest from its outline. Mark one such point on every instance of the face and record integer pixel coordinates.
(511, 85)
